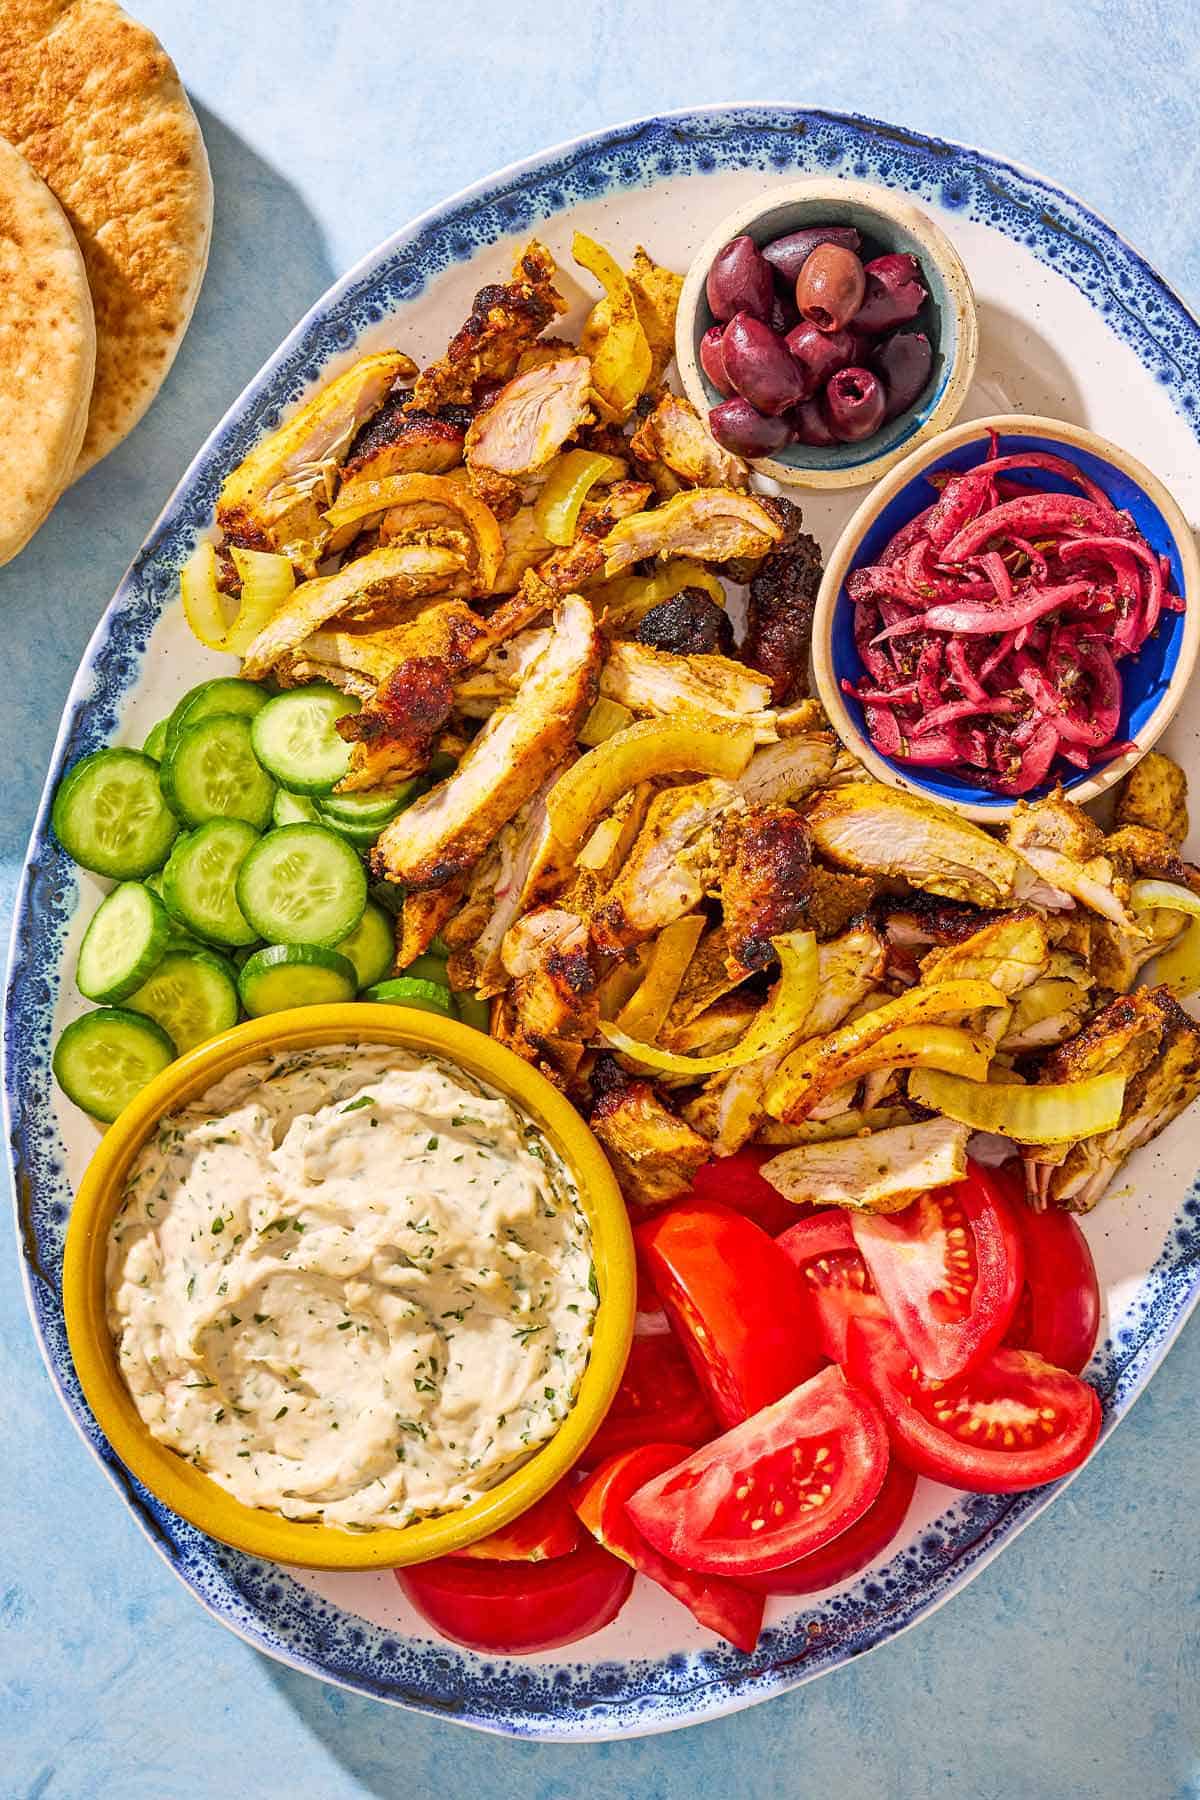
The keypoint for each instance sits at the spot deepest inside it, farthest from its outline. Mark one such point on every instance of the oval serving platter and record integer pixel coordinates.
(1073, 324)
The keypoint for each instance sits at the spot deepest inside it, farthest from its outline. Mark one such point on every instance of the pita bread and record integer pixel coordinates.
(47, 350)
(92, 100)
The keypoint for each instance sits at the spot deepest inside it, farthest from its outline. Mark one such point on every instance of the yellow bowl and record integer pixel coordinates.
(194, 1495)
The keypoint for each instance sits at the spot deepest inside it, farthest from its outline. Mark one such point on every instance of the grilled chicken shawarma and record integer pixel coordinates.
(880, 1172)
(875, 830)
(780, 606)
(675, 434)
(565, 570)
(548, 953)
(1011, 952)
(1154, 794)
(504, 321)
(421, 918)
(533, 869)
(1069, 852)
(788, 771)
(671, 865)
(275, 499)
(1148, 1037)
(450, 827)
(654, 1154)
(715, 687)
(399, 441)
(690, 623)
(709, 524)
(531, 418)
(766, 878)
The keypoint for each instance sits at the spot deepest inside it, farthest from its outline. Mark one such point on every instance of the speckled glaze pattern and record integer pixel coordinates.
(261, 1602)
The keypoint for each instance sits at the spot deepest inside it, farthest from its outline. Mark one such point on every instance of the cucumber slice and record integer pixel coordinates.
(286, 975)
(371, 946)
(302, 885)
(156, 744)
(109, 814)
(429, 967)
(102, 1060)
(293, 809)
(474, 1012)
(191, 997)
(199, 882)
(124, 943)
(361, 836)
(375, 807)
(426, 996)
(295, 738)
(227, 694)
(210, 772)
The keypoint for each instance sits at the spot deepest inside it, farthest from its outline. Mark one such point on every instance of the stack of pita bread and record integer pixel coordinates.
(105, 220)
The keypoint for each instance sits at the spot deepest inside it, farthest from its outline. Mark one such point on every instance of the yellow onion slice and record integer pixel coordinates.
(643, 1014)
(612, 334)
(682, 746)
(361, 498)
(572, 477)
(626, 599)
(1179, 967)
(267, 581)
(784, 1013)
(201, 598)
(1149, 896)
(605, 718)
(1054, 1114)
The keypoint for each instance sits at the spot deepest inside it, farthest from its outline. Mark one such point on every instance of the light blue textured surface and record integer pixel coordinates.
(1069, 1668)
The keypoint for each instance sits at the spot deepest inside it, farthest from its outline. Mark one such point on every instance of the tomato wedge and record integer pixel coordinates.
(852, 1550)
(721, 1605)
(512, 1609)
(774, 1488)
(1012, 1422)
(735, 1181)
(659, 1400)
(1058, 1313)
(548, 1529)
(736, 1302)
(948, 1269)
(839, 1287)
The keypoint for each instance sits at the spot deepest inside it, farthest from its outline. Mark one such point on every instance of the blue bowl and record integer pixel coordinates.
(1153, 681)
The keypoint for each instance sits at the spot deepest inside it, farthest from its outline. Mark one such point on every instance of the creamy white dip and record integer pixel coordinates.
(351, 1285)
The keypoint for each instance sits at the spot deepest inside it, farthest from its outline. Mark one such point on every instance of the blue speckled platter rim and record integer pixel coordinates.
(260, 1602)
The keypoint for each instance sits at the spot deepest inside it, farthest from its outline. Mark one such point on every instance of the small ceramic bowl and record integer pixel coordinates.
(1153, 681)
(192, 1494)
(887, 223)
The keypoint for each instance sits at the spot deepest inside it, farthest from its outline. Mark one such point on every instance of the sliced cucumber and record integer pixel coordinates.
(156, 743)
(371, 946)
(124, 943)
(403, 990)
(375, 807)
(296, 741)
(474, 1012)
(227, 694)
(199, 882)
(191, 997)
(362, 837)
(102, 1060)
(429, 967)
(302, 885)
(211, 772)
(293, 809)
(109, 814)
(286, 975)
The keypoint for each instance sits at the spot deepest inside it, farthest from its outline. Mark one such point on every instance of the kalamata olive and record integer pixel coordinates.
(904, 362)
(740, 281)
(810, 426)
(830, 287)
(711, 360)
(738, 427)
(822, 352)
(854, 404)
(895, 293)
(789, 254)
(761, 367)
(783, 314)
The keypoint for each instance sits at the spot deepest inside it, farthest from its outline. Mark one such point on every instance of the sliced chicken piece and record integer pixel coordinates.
(1118, 957)
(923, 920)
(500, 674)
(1152, 854)
(675, 434)
(766, 879)
(450, 827)
(1011, 952)
(524, 548)
(656, 294)
(880, 1173)
(448, 630)
(670, 868)
(876, 830)
(718, 1028)
(274, 499)
(656, 683)
(788, 771)
(1047, 1012)
(654, 1154)
(690, 623)
(533, 870)
(504, 322)
(422, 917)
(565, 570)
(1154, 794)
(779, 607)
(836, 900)
(706, 980)
(531, 418)
(710, 524)
(399, 441)
(549, 955)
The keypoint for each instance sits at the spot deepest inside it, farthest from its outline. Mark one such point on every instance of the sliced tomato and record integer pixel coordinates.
(948, 1269)
(852, 1550)
(736, 1302)
(839, 1286)
(549, 1528)
(735, 1181)
(774, 1488)
(514, 1608)
(659, 1399)
(1058, 1313)
(1012, 1422)
(720, 1605)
